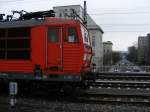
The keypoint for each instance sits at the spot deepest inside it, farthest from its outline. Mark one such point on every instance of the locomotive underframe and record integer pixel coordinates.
(52, 77)
(69, 84)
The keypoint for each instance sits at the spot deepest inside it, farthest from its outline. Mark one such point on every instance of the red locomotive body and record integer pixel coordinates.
(59, 47)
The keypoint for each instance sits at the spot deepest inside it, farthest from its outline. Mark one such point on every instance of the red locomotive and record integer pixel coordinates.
(52, 49)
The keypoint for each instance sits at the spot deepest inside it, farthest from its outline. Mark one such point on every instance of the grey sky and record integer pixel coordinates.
(122, 20)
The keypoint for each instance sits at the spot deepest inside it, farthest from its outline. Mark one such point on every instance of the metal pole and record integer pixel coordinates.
(85, 13)
(13, 90)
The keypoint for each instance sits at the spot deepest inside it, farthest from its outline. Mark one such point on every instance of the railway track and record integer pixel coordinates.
(123, 84)
(130, 88)
(123, 80)
(138, 78)
(28, 103)
(38, 105)
(116, 99)
(116, 90)
(124, 76)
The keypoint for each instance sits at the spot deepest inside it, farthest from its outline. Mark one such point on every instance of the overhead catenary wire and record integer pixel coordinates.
(119, 13)
(7, 1)
(123, 27)
(95, 14)
(111, 24)
(121, 9)
(22, 1)
(123, 31)
(109, 11)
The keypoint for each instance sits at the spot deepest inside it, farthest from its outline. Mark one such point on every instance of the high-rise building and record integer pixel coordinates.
(142, 49)
(94, 30)
(132, 54)
(148, 50)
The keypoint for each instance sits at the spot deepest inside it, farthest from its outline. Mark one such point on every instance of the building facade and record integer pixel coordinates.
(142, 49)
(148, 50)
(132, 54)
(94, 30)
(107, 50)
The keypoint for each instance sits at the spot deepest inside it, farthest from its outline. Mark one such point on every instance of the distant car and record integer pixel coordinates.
(116, 70)
(143, 71)
(136, 70)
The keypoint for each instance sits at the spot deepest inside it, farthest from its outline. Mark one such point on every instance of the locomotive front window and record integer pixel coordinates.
(72, 35)
(53, 34)
(85, 36)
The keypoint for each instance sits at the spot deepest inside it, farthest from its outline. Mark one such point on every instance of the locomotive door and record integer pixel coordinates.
(55, 58)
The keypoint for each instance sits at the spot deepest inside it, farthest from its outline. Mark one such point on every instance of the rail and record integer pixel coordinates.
(108, 68)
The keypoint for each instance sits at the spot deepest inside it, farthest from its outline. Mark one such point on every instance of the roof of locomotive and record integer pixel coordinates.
(36, 22)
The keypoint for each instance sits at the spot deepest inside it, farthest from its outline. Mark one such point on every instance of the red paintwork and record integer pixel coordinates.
(47, 54)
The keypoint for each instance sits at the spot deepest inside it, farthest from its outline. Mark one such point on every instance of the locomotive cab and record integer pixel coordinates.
(69, 48)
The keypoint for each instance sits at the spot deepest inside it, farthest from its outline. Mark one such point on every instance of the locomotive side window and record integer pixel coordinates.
(15, 43)
(2, 54)
(72, 35)
(53, 34)
(18, 32)
(2, 43)
(2, 33)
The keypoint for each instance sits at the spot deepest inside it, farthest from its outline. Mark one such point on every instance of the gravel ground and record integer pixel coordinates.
(40, 105)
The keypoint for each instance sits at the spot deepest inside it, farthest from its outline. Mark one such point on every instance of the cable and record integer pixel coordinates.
(105, 31)
(120, 9)
(11, 2)
(126, 24)
(6, 1)
(119, 13)
(114, 25)
(120, 29)
(22, 1)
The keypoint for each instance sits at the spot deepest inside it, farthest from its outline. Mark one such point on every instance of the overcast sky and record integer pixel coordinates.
(122, 20)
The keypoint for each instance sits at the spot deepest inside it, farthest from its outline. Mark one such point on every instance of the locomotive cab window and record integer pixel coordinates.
(72, 35)
(53, 34)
